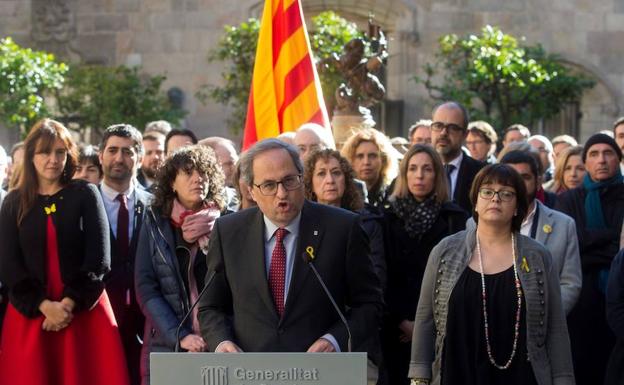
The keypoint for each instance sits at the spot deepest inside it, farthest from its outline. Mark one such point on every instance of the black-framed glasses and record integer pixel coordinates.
(291, 182)
(450, 127)
(503, 195)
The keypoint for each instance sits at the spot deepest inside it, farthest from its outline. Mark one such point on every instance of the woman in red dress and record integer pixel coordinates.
(59, 327)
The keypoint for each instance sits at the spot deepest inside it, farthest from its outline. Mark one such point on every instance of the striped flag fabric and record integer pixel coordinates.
(285, 90)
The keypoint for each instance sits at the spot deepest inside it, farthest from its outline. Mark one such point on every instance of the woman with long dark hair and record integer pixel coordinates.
(54, 250)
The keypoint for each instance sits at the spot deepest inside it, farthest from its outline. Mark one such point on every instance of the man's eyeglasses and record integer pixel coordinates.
(450, 127)
(503, 195)
(291, 182)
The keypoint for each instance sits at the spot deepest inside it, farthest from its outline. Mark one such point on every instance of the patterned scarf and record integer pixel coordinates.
(417, 217)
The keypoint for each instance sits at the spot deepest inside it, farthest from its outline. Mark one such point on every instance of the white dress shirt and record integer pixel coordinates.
(111, 204)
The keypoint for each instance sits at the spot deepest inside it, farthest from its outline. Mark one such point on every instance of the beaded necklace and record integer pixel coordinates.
(485, 316)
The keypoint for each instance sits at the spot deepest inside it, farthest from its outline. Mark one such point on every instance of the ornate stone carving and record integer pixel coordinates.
(54, 26)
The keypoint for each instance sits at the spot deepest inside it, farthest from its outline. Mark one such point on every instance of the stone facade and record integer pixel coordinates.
(174, 37)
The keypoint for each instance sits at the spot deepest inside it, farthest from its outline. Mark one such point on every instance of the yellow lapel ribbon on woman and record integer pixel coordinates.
(51, 209)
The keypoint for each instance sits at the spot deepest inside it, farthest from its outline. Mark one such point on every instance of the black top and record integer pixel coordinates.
(83, 247)
(465, 359)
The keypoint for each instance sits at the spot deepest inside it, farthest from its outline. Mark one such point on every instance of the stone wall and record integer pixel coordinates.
(174, 37)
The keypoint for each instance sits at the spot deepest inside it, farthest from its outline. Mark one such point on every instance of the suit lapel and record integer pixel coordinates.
(310, 235)
(253, 251)
(139, 210)
(545, 224)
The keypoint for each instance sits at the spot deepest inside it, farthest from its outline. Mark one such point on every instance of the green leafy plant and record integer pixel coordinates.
(237, 47)
(501, 80)
(97, 96)
(26, 77)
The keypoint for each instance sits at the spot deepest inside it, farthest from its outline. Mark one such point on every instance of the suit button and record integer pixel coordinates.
(539, 271)
(542, 302)
(541, 292)
(542, 313)
(440, 271)
(540, 282)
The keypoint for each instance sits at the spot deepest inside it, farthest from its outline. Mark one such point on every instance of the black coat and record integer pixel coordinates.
(597, 247)
(83, 247)
(615, 317)
(406, 260)
(407, 257)
(590, 351)
(161, 289)
(468, 169)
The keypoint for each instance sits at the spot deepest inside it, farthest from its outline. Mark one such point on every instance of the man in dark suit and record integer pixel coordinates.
(449, 129)
(120, 155)
(264, 297)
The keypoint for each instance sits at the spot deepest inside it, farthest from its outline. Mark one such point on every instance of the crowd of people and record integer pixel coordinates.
(463, 259)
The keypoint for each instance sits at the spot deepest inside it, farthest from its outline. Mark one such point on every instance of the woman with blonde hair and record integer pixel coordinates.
(419, 216)
(374, 161)
(569, 170)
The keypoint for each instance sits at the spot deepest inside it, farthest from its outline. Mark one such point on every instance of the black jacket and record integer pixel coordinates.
(160, 287)
(468, 169)
(407, 257)
(83, 247)
(597, 247)
(240, 308)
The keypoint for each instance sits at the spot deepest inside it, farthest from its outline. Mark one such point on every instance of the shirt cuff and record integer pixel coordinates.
(333, 341)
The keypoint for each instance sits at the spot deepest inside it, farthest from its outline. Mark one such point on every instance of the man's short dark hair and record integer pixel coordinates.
(459, 106)
(125, 131)
(180, 132)
(518, 157)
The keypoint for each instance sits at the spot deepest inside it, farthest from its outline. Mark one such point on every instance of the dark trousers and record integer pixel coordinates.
(590, 335)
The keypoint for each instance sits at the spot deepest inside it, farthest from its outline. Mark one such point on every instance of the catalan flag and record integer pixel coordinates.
(285, 90)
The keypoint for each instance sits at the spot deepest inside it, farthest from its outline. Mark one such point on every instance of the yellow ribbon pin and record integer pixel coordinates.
(525, 265)
(51, 209)
(547, 229)
(310, 251)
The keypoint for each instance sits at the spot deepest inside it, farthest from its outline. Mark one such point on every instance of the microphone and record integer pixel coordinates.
(308, 258)
(190, 311)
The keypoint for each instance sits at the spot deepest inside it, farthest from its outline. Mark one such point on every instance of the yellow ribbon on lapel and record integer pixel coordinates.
(310, 251)
(525, 265)
(51, 209)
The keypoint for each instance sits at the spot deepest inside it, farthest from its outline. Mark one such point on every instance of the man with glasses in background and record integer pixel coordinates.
(449, 129)
(264, 298)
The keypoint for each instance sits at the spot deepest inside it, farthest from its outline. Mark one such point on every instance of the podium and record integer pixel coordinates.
(258, 368)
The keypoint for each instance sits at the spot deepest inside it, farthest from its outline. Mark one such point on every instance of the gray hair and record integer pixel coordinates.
(247, 158)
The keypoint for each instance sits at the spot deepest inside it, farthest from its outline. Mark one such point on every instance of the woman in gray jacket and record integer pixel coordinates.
(170, 263)
(490, 307)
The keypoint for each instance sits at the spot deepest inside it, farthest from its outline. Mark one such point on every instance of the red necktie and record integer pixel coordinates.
(277, 271)
(122, 227)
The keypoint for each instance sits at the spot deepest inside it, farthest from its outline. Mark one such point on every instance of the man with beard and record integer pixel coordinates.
(121, 151)
(556, 231)
(154, 157)
(449, 129)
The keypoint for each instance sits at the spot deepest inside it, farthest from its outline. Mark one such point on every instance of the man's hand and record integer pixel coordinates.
(321, 346)
(407, 328)
(228, 347)
(193, 343)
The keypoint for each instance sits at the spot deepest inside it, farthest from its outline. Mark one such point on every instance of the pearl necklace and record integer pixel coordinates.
(485, 316)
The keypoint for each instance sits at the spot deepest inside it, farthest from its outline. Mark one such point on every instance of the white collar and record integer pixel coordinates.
(270, 227)
(529, 217)
(111, 193)
(457, 161)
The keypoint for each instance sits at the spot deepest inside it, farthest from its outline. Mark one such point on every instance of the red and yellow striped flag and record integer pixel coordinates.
(285, 90)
